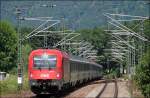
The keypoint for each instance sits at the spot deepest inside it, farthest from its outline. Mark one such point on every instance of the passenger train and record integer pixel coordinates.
(52, 70)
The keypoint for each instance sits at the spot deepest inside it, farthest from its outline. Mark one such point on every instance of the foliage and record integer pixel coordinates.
(147, 28)
(25, 81)
(87, 14)
(114, 72)
(97, 37)
(38, 41)
(8, 43)
(26, 49)
(9, 85)
(143, 74)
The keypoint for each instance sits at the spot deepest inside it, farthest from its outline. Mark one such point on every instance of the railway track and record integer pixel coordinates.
(104, 88)
(110, 89)
(95, 89)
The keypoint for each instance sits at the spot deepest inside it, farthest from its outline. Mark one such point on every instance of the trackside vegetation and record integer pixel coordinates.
(142, 76)
(8, 46)
(9, 85)
(142, 73)
(8, 58)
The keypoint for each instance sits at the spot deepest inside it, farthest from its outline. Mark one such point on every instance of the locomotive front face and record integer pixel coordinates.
(45, 70)
(45, 65)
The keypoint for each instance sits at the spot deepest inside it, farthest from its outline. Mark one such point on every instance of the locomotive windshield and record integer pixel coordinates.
(48, 61)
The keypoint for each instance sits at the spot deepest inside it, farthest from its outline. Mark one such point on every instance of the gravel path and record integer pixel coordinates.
(109, 91)
(123, 91)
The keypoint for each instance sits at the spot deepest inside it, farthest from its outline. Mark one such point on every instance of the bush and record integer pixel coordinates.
(114, 73)
(25, 82)
(142, 76)
(10, 85)
(8, 45)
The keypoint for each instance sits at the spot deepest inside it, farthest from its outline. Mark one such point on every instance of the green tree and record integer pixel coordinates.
(143, 74)
(8, 44)
(147, 29)
(38, 41)
(98, 38)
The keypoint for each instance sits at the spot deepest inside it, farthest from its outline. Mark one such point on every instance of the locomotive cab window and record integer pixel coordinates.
(48, 61)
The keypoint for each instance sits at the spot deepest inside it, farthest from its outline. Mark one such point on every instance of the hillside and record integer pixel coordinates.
(77, 14)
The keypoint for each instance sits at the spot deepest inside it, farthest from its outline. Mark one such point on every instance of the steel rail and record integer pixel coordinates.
(103, 89)
(105, 86)
(116, 89)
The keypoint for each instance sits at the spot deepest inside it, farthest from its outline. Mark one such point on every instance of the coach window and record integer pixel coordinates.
(75, 64)
(72, 66)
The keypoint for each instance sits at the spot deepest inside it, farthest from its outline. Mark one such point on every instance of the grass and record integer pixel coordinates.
(133, 87)
(136, 92)
(9, 85)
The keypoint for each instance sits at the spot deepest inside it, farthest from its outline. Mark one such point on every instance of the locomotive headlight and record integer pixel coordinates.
(58, 75)
(31, 75)
(33, 82)
(44, 75)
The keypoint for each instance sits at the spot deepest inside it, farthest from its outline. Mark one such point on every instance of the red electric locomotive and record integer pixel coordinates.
(50, 70)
